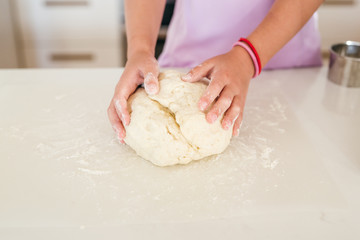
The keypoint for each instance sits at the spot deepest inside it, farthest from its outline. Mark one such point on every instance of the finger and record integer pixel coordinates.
(237, 126)
(198, 72)
(122, 110)
(211, 93)
(232, 114)
(116, 123)
(220, 106)
(151, 82)
(122, 93)
(235, 115)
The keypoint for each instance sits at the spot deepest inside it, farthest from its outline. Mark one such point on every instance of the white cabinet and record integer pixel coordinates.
(70, 33)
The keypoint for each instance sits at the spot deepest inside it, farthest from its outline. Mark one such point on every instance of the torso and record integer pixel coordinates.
(201, 29)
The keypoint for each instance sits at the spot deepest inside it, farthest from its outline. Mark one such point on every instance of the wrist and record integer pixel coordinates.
(252, 52)
(140, 52)
(140, 46)
(263, 55)
(242, 57)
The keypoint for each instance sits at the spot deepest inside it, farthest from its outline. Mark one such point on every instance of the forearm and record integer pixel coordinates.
(283, 21)
(143, 19)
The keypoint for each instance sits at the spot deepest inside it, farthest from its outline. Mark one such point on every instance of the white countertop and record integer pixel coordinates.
(293, 173)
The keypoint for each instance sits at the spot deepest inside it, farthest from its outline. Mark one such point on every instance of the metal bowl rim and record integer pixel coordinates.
(347, 43)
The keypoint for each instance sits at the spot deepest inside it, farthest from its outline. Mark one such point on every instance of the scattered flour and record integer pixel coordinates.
(82, 150)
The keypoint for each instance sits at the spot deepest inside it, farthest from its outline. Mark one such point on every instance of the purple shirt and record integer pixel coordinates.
(201, 29)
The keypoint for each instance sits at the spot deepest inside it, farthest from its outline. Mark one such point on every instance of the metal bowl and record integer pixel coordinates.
(344, 66)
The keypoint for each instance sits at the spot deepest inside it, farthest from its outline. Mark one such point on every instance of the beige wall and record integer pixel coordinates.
(339, 23)
(8, 58)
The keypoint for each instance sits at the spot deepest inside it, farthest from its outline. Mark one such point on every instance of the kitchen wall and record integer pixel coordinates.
(339, 21)
(8, 54)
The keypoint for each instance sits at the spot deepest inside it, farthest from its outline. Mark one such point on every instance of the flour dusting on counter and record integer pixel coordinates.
(94, 172)
(83, 147)
(68, 163)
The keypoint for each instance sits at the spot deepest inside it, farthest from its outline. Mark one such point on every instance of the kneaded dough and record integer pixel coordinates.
(168, 128)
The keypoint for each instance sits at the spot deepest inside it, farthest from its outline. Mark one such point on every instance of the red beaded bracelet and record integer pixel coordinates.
(254, 51)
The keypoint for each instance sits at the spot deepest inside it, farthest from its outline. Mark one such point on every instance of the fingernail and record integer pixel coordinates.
(151, 88)
(202, 106)
(148, 77)
(212, 117)
(120, 137)
(150, 85)
(121, 141)
(186, 77)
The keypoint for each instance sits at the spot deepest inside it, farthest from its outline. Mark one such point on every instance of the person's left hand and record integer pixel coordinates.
(229, 75)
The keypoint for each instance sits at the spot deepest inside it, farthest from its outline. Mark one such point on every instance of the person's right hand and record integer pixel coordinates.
(140, 68)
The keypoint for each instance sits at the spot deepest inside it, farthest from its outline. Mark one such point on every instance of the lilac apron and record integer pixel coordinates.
(201, 29)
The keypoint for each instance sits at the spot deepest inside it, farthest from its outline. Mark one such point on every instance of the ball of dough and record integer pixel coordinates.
(168, 128)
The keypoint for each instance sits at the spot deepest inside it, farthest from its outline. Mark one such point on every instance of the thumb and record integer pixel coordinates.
(151, 82)
(197, 73)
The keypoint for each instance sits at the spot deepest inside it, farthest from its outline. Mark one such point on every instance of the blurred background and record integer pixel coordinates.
(91, 33)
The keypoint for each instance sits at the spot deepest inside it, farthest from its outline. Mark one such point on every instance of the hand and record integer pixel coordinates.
(229, 76)
(140, 68)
